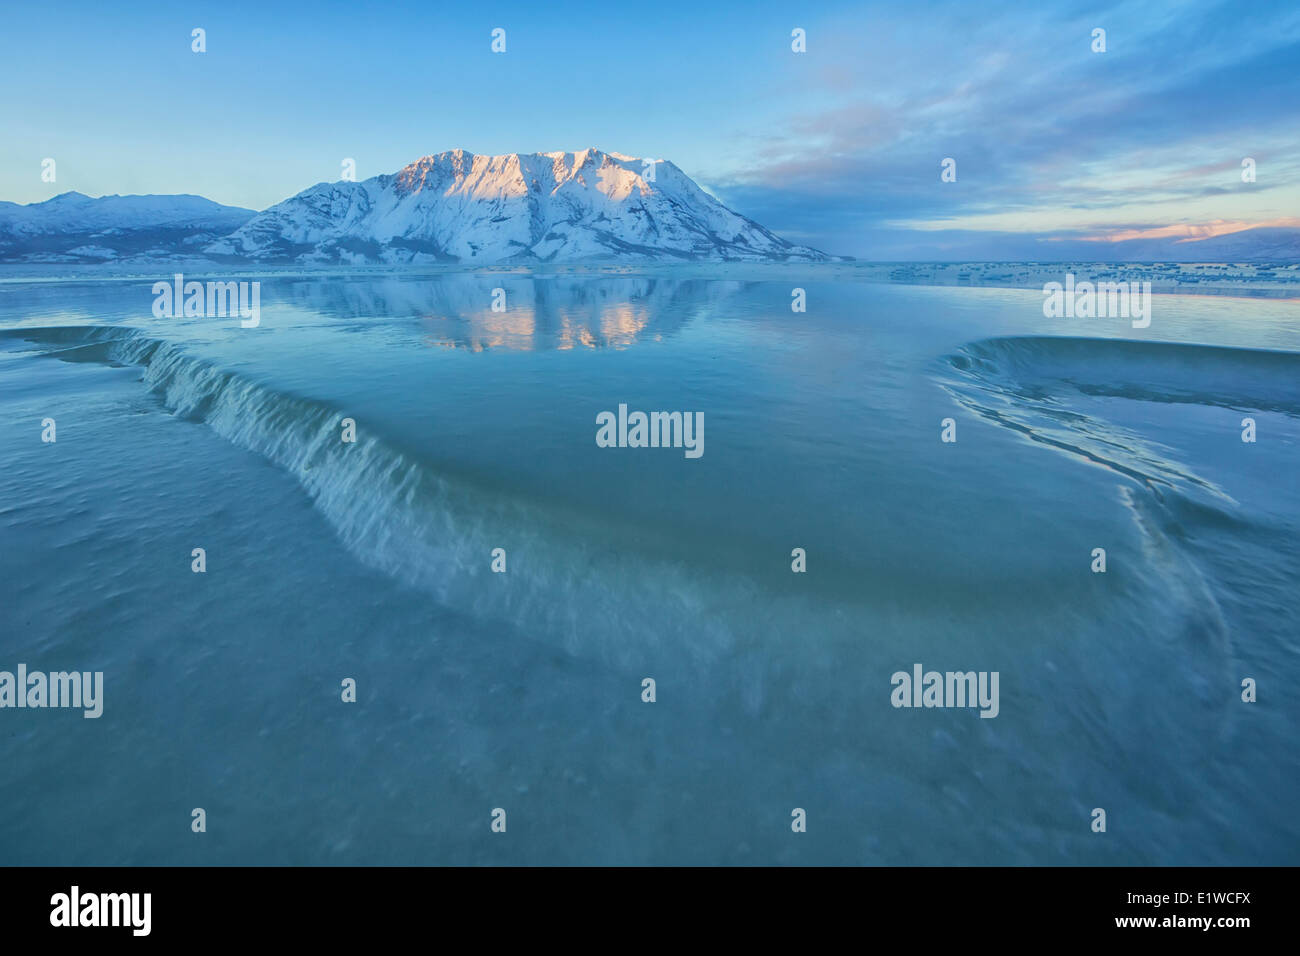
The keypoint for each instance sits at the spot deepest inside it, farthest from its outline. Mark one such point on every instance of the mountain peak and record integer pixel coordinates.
(458, 206)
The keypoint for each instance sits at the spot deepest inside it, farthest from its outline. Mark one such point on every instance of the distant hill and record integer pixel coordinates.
(75, 228)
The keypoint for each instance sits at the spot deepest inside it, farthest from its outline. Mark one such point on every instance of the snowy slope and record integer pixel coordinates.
(75, 228)
(549, 207)
(1254, 245)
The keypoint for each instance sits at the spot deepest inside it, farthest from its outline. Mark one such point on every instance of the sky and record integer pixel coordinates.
(840, 147)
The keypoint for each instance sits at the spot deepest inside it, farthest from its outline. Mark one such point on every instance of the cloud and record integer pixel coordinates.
(1048, 136)
(1187, 232)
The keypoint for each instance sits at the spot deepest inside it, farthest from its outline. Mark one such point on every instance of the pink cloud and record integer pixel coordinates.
(1191, 232)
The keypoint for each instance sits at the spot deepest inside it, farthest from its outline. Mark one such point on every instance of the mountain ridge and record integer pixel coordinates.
(74, 227)
(458, 206)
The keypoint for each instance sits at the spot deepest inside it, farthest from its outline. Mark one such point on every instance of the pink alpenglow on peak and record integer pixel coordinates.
(459, 206)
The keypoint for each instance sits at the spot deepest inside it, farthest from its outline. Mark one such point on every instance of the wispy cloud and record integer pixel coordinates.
(1188, 232)
(1048, 136)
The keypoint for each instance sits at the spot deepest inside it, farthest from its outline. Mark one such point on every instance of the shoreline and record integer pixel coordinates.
(1251, 280)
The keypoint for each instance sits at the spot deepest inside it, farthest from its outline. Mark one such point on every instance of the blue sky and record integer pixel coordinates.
(839, 147)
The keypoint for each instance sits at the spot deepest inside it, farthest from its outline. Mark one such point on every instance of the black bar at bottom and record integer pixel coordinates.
(337, 905)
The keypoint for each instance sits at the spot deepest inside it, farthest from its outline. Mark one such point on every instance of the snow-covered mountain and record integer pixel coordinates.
(1263, 243)
(536, 207)
(75, 228)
